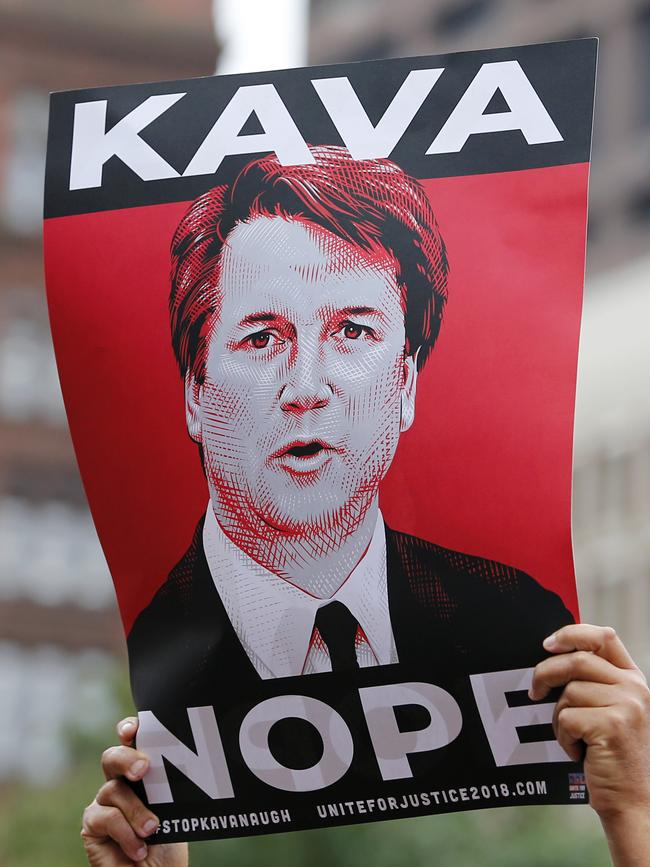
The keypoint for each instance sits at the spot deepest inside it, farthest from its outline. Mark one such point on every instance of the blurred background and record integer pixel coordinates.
(62, 663)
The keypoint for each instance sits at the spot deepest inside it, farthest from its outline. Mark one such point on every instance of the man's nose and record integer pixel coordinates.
(306, 386)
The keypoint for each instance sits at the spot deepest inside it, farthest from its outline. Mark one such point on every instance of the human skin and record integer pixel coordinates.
(116, 823)
(605, 708)
(603, 712)
(305, 392)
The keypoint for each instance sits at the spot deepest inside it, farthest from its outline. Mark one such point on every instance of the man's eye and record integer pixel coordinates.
(352, 331)
(262, 339)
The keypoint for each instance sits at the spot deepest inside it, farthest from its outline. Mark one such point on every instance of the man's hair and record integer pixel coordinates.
(370, 203)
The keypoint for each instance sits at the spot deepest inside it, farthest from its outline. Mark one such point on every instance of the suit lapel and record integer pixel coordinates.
(221, 660)
(422, 636)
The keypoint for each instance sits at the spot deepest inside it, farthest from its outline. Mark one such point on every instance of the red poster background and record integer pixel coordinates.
(486, 468)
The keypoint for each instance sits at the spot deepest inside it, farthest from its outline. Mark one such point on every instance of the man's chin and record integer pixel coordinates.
(302, 524)
(306, 516)
(299, 511)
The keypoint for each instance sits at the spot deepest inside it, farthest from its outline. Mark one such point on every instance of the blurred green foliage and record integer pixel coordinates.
(39, 827)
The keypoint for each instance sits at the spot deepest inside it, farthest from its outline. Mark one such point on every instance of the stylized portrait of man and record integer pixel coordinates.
(304, 302)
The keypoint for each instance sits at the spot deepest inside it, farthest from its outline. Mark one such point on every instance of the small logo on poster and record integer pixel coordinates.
(577, 787)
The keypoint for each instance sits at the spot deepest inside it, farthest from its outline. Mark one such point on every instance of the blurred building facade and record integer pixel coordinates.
(612, 456)
(59, 629)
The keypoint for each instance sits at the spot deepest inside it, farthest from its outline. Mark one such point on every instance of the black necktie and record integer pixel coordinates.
(338, 629)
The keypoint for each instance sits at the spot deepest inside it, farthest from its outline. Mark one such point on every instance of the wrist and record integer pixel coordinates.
(625, 814)
(627, 829)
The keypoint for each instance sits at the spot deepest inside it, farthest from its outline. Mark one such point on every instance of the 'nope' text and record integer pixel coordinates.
(206, 766)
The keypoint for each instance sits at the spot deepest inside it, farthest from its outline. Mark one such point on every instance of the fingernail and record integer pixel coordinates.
(550, 642)
(137, 767)
(531, 694)
(126, 727)
(150, 826)
(141, 854)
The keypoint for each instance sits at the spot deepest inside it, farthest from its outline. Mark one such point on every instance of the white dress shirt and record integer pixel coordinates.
(274, 619)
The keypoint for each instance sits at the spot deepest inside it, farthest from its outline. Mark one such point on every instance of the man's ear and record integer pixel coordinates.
(193, 407)
(408, 391)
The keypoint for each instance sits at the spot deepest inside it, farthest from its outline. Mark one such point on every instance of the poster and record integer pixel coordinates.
(317, 333)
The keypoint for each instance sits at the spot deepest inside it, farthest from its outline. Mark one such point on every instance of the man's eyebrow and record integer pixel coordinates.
(361, 311)
(259, 317)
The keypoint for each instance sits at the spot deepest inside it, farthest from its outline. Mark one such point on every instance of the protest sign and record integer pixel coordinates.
(317, 333)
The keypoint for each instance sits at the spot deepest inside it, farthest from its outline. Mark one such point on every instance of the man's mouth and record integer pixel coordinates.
(304, 456)
(305, 450)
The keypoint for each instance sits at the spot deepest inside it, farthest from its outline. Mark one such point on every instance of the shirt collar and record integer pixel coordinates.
(274, 619)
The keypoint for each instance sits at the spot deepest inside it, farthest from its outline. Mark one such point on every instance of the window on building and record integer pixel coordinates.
(21, 200)
(45, 694)
(50, 554)
(594, 229)
(643, 36)
(460, 16)
(378, 48)
(320, 7)
(640, 207)
(29, 383)
(39, 482)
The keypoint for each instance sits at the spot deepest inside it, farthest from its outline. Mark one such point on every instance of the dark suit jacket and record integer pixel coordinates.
(451, 613)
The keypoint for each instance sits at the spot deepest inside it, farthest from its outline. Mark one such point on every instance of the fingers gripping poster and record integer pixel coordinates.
(317, 332)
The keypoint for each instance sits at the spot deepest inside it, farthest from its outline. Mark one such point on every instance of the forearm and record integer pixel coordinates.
(628, 836)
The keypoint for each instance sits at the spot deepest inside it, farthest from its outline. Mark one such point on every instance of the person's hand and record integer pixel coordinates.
(604, 713)
(115, 824)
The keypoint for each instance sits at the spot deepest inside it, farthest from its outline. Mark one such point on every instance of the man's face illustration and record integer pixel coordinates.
(306, 386)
